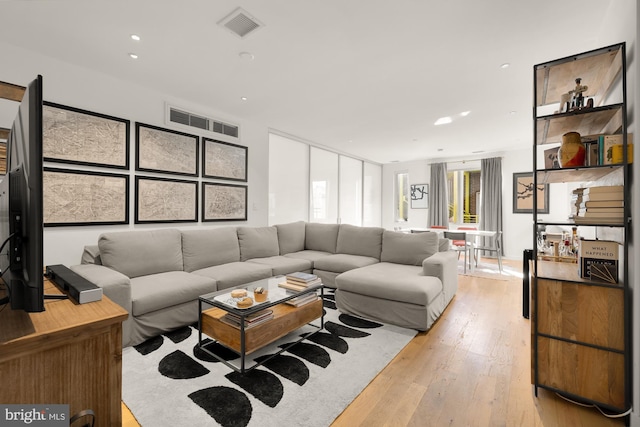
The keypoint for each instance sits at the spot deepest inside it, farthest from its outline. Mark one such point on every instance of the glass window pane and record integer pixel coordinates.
(350, 191)
(323, 186)
(372, 195)
(288, 197)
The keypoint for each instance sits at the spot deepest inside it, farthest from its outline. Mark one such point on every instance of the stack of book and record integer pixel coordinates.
(249, 321)
(299, 281)
(303, 299)
(601, 204)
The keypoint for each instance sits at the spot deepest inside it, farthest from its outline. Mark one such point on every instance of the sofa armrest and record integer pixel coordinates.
(115, 285)
(444, 266)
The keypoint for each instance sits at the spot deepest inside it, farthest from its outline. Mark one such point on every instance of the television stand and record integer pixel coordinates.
(68, 354)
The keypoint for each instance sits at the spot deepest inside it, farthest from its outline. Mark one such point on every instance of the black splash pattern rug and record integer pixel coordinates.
(167, 381)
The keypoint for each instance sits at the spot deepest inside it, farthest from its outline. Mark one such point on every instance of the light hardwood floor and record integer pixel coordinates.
(471, 369)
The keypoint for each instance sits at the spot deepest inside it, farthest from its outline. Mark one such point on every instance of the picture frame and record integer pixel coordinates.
(523, 194)
(419, 196)
(224, 202)
(166, 150)
(163, 200)
(75, 136)
(75, 197)
(224, 160)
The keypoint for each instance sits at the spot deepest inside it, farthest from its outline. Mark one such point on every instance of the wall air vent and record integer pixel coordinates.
(240, 23)
(185, 118)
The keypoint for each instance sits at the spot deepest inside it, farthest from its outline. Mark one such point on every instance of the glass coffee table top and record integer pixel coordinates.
(275, 295)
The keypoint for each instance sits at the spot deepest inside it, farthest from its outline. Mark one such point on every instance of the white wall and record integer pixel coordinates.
(67, 84)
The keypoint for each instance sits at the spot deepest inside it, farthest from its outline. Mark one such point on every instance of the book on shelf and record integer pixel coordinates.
(292, 286)
(591, 152)
(598, 260)
(581, 220)
(601, 212)
(249, 321)
(301, 277)
(607, 150)
(602, 204)
(602, 189)
(303, 299)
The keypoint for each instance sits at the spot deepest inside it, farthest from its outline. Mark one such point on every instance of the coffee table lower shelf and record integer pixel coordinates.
(286, 319)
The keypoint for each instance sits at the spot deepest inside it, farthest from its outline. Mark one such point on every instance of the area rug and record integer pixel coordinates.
(490, 270)
(168, 381)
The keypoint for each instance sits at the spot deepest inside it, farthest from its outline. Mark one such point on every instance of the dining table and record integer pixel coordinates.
(474, 234)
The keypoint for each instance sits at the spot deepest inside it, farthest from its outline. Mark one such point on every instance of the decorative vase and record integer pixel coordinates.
(572, 151)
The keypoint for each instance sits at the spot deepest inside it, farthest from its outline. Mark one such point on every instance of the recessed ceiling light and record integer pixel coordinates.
(133, 55)
(247, 56)
(244, 98)
(135, 37)
(465, 113)
(513, 113)
(505, 65)
(443, 121)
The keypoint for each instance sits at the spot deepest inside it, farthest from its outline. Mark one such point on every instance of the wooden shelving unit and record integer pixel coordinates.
(581, 329)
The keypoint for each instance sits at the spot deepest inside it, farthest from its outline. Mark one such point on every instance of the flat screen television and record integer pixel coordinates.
(21, 215)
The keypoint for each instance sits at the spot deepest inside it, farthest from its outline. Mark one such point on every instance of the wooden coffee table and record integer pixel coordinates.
(245, 340)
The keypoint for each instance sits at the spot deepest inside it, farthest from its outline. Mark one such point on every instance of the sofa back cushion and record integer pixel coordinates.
(321, 237)
(364, 241)
(410, 249)
(291, 237)
(206, 248)
(258, 242)
(138, 253)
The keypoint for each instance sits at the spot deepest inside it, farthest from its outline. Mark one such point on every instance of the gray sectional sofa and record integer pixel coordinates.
(157, 275)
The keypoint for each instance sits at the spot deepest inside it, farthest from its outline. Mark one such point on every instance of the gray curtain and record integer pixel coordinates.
(491, 189)
(438, 196)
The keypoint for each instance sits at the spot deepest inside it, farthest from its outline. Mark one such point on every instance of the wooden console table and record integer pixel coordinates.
(68, 354)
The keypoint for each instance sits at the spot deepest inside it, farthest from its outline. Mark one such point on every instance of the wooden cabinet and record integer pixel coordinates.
(69, 354)
(581, 328)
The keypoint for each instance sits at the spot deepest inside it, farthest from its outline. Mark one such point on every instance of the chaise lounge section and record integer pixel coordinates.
(157, 275)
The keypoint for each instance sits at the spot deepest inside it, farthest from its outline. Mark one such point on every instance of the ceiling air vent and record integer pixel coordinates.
(240, 23)
(198, 121)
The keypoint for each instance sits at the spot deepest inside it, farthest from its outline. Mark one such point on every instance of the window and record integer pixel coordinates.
(401, 196)
(464, 196)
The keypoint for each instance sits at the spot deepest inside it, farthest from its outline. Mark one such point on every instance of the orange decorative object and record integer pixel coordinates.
(572, 151)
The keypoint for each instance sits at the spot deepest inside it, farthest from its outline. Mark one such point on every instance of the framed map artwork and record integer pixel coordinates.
(165, 200)
(224, 160)
(165, 150)
(75, 136)
(72, 197)
(224, 202)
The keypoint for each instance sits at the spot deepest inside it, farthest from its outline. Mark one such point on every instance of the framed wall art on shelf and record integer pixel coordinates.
(165, 200)
(74, 136)
(420, 196)
(73, 197)
(166, 151)
(223, 160)
(523, 186)
(224, 202)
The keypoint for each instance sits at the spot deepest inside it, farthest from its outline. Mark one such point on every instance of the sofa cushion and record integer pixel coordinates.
(309, 255)
(339, 263)
(389, 281)
(321, 237)
(365, 241)
(138, 253)
(410, 249)
(157, 291)
(206, 248)
(235, 273)
(281, 265)
(291, 237)
(91, 255)
(258, 242)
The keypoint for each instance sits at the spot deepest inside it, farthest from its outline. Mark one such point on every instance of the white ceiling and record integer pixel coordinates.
(365, 77)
